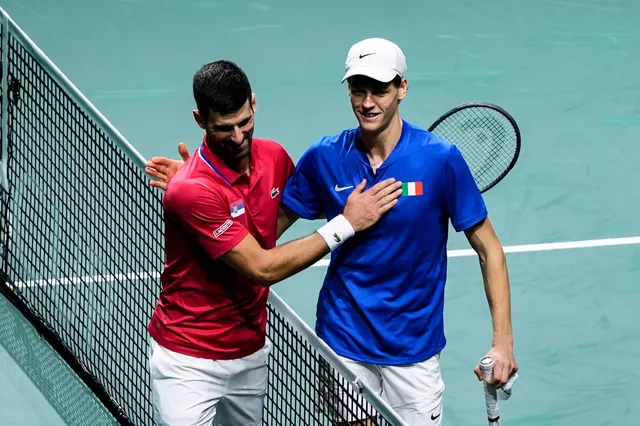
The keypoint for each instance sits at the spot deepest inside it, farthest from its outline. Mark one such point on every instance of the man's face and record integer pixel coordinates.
(230, 136)
(374, 103)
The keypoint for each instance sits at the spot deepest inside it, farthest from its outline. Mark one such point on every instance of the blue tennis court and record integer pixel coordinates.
(567, 72)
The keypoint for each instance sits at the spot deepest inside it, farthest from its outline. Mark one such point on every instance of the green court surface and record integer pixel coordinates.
(566, 70)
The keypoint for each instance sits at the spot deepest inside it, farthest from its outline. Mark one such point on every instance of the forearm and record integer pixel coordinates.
(497, 289)
(288, 259)
(268, 267)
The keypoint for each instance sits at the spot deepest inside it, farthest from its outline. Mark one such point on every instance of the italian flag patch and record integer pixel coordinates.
(411, 188)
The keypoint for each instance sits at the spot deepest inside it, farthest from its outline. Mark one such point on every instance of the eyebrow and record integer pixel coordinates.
(239, 123)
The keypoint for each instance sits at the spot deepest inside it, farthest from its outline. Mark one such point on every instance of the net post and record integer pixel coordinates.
(4, 64)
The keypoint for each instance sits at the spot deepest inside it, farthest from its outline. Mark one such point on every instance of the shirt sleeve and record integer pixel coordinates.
(289, 167)
(202, 213)
(302, 194)
(464, 202)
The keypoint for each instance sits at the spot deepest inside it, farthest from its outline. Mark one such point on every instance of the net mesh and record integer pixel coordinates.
(81, 246)
(51, 375)
(486, 139)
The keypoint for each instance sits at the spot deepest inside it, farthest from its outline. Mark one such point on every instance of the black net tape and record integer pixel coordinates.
(81, 250)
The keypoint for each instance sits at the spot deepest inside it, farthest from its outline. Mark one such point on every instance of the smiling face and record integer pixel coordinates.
(375, 103)
(230, 135)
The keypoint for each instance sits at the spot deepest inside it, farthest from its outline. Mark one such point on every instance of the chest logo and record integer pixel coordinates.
(410, 189)
(237, 208)
(275, 192)
(341, 188)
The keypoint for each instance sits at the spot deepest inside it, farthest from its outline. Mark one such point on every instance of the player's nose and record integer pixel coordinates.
(237, 137)
(367, 102)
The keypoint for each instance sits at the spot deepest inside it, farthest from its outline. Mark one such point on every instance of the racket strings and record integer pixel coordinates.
(487, 140)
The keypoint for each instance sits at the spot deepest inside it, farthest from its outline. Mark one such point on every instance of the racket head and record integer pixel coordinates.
(487, 136)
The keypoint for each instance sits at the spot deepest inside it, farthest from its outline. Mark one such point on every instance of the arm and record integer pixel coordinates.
(268, 267)
(493, 265)
(469, 214)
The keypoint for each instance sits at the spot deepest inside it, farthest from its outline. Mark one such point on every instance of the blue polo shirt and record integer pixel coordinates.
(382, 297)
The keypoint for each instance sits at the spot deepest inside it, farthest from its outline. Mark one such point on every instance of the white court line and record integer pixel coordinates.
(526, 248)
(89, 279)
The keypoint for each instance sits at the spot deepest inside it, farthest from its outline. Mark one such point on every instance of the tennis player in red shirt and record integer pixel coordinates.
(222, 216)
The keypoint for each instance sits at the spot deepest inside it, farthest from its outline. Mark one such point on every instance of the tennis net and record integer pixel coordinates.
(81, 247)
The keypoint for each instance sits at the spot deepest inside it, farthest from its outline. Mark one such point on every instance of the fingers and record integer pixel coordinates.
(497, 371)
(156, 162)
(385, 208)
(360, 187)
(478, 372)
(501, 374)
(389, 200)
(183, 151)
(157, 184)
(155, 173)
(390, 189)
(382, 185)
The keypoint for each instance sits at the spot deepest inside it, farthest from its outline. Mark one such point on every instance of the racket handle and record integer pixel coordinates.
(490, 393)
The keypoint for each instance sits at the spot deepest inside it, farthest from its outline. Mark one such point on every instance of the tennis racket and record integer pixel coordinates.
(487, 136)
(490, 393)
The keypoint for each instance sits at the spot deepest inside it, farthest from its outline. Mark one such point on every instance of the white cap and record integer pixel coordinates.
(376, 58)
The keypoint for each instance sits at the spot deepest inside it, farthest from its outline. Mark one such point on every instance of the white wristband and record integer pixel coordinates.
(336, 231)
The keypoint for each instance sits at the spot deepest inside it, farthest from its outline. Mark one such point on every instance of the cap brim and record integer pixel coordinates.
(384, 76)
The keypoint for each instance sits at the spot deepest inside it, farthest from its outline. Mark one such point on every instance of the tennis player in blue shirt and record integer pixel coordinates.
(381, 304)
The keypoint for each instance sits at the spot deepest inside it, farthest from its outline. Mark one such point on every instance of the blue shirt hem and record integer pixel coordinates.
(394, 361)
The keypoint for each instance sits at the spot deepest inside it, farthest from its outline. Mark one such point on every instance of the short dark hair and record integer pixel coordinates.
(397, 81)
(220, 86)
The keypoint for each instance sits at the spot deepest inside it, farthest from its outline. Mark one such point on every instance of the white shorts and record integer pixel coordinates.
(414, 391)
(190, 391)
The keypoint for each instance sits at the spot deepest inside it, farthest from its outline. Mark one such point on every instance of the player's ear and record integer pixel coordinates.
(198, 118)
(402, 90)
(254, 104)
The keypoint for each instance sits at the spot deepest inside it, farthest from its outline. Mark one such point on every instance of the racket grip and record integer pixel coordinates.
(490, 393)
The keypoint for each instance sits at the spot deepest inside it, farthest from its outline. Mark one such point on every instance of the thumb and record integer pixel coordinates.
(360, 186)
(183, 151)
(478, 372)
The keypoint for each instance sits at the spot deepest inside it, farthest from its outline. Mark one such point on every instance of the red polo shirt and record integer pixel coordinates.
(206, 309)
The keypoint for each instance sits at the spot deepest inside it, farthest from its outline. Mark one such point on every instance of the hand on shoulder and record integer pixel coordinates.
(164, 168)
